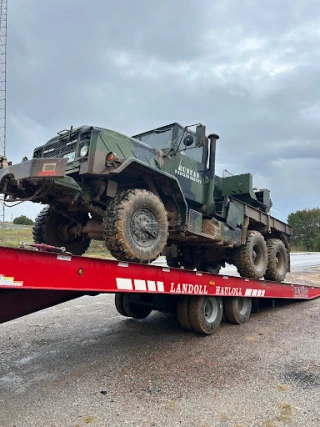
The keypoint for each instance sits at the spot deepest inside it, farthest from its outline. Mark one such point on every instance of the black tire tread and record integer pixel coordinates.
(114, 234)
(133, 310)
(40, 233)
(272, 272)
(196, 316)
(118, 302)
(183, 313)
(242, 257)
(231, 311)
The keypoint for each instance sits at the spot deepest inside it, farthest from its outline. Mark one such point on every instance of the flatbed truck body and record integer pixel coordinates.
(33, 279)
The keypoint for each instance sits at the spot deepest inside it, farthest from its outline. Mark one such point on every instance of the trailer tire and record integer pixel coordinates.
(133, 309)
(237, 310)
(205, 314)
(251, 259)
(183, 313)
(136, 226)
(51, 228)
(118, 302)
(277, 260)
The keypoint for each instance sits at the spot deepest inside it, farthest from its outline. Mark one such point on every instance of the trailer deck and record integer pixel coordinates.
(37, 278)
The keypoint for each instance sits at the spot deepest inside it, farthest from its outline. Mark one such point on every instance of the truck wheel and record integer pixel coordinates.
(52, 228)
(134, 310)
(136, 226)
(118, 302)
(237, 310)
(205, 314)
(251, 259)
(183, 313)
(277, 260)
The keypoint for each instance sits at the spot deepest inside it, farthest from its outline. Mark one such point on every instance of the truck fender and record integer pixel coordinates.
(162, 184)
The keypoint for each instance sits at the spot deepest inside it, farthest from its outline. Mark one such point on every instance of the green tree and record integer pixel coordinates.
(23, 220)
(306, 228)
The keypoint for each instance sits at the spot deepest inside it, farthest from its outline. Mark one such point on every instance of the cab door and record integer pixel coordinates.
(190, 172)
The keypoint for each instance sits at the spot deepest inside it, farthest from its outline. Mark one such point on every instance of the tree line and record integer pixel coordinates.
(306, 229)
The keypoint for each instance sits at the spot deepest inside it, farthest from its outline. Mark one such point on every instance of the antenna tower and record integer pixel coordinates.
(3, 63)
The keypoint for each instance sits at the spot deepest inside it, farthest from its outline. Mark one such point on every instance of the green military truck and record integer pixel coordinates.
(153, 193)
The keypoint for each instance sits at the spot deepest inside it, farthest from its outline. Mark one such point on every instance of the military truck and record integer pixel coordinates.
(150, 194)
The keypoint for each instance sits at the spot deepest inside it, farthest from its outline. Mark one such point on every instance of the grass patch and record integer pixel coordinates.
(12, 238)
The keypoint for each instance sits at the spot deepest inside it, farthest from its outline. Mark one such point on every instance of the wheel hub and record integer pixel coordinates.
(210, 310)
(144, 226)
(257, 256)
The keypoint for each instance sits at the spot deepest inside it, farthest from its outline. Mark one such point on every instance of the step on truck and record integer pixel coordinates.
(42, 276)
(154, 193)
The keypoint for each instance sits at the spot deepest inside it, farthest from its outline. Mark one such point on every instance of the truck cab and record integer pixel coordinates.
(185, 159)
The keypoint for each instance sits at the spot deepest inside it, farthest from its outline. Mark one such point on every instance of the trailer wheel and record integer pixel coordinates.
(133, 309)
(53, 229)
(251, 259)
(205, 314)
(136, 226)
(277, 260)
(237, 310)
(183, 313)
(118, 302)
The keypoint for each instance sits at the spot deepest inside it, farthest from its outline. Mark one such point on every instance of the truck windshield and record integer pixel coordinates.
(157, 139)
(194, 153)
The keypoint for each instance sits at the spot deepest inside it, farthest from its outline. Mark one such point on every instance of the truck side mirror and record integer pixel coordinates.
(200, 136)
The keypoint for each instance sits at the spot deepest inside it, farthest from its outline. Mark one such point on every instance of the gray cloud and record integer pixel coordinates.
(249, 70)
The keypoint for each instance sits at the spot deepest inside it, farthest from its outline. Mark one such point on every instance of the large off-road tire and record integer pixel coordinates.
(51, 228)
(251, 259)
(136, 226)
(237, 309)
(277, 260)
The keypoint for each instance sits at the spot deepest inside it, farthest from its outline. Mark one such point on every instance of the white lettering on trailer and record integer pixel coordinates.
(228, 291)
(188, 288)
(255, 293)
(139, 285)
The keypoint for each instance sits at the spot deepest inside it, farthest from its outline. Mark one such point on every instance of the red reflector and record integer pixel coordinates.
(47, 173)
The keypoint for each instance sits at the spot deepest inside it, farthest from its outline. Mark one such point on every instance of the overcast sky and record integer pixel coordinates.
(249, 70)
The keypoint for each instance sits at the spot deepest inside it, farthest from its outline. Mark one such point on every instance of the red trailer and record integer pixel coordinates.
(42, 276)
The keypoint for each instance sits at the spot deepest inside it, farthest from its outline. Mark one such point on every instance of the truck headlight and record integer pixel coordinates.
(84, 150)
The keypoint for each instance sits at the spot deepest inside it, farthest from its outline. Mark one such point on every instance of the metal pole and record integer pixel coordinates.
(3, 84)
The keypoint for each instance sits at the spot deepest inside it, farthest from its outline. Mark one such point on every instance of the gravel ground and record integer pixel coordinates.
(81, 364)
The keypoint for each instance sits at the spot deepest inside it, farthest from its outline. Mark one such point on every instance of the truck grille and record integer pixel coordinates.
(59, 149)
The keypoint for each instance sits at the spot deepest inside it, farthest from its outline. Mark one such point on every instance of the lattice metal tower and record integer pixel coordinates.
(3, 84)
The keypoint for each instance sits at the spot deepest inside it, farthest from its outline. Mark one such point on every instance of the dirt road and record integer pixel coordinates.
(82, 364)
